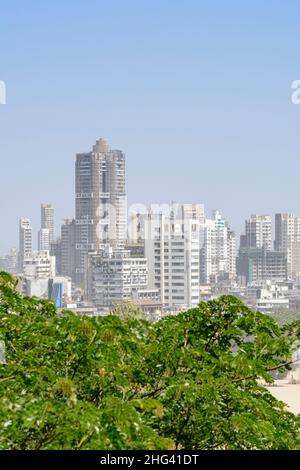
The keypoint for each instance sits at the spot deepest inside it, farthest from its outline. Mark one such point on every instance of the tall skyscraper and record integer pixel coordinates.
(218, 250)
(25, 242)
(172, 248)
(258, 232)
(287, 239)
(101, 208)
(47, 220)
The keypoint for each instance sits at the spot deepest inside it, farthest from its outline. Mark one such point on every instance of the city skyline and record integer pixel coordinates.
(163, 258)
(192, 92)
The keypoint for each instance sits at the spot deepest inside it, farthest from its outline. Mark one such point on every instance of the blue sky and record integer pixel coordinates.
(198, 95)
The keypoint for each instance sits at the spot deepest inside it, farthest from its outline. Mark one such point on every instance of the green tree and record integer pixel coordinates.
(191, 381)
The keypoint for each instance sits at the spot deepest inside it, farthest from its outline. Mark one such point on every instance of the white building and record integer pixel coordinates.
(258, 232)
(44, 239)
(40, 265)
(218, 251)
(47, 220)
(25, 242)
(9, 263)
(112, 276)
(172, 247)
(287, 239)
(44, 288)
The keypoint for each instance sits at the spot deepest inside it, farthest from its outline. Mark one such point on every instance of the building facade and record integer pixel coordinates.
(287, 239)
(44, 239)
(112, 276)
(25, 242)
(67, 249)
(40, 265)
(259, 264)
(9, 263)
(218, 250)
(47, 220)
(101, 207)
(172, 248)
(258, 232)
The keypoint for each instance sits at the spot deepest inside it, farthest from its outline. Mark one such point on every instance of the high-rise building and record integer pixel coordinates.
(217, 250)
(67, 249)
(259, 264)
(173, 253)
(25, 242)
(44, 239)
(47, 220)
(114, 276)
(55, 250)
(101, 209)
(287, 239)
(258, 232)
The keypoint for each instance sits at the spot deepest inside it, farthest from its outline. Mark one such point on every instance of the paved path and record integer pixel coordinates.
(289, 393)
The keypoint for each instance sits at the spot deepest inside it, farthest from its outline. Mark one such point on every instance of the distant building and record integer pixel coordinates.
(101, 208)
(25, 242)
(136, 250)
(258, 232)
(55, 250)
(57, 289)
(172, 248)
(9, 263)
(218, 250)
(67, 249)
(60, 291)
(44, 239)
(147, 301)
(114, 276)
(47, 220)
(40, 265)
(259, 264)
(287, 239)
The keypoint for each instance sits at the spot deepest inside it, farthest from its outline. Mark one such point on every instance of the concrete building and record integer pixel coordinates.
(258, 232)
(9, 263)
(44, 239)
(172, 248)
(218, 250)
(40, 265)
(60, 291)
(287, 239)
(114, 277)
(148, 301)
(55, 250)
(47, 220)
(67, 249)
(259, 264)
(25, 242)
(101, 207)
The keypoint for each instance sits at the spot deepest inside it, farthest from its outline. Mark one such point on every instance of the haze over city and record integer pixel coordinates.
(197, 94)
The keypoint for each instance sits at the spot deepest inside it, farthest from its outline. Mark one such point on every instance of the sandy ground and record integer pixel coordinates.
(289, 393)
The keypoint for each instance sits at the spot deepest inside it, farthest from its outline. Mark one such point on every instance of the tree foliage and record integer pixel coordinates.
(191, 381)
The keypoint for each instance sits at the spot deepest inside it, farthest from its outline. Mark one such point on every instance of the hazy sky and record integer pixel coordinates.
(197, 94)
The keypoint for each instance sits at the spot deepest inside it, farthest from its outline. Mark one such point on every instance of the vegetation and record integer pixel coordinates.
(191, 381)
